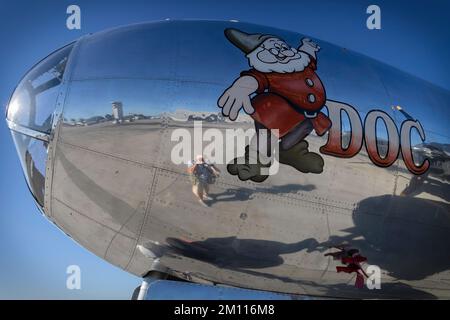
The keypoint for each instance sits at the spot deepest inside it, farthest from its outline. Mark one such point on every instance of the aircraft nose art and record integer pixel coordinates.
(142, 143)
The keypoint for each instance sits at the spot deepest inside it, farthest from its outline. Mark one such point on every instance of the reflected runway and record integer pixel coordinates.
(96, 139)
(258, 223)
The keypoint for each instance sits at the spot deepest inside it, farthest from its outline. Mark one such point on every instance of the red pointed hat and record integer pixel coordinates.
(245, 41)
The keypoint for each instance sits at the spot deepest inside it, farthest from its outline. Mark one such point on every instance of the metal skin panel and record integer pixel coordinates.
(116, 190)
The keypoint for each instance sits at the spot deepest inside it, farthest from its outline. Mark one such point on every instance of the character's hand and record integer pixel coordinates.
(238, 96)
(309, 43)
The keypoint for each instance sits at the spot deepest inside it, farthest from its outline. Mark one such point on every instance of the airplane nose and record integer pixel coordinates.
(30, 115)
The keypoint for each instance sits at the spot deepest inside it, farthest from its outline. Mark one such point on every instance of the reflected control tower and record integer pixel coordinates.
(117, 111)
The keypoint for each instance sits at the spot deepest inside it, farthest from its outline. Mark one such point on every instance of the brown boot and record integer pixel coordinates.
(301, 159)
(247, 171)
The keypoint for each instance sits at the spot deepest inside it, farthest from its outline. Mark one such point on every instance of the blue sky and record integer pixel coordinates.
(35, 254)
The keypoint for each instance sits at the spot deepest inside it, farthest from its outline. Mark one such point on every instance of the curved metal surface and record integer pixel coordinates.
(116, 190)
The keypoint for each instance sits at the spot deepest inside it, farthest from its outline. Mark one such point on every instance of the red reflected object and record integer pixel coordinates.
(352, 260)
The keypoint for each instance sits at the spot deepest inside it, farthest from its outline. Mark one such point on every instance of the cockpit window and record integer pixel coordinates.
(33, 102)
(33, 158)
(31, 107)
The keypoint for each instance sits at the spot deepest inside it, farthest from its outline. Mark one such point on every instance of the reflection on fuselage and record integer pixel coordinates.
(111, 183)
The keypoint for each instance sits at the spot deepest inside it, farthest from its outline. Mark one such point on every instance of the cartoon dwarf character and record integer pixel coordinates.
(281, 91)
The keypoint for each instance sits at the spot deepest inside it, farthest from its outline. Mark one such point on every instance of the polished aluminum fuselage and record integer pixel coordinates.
(111, 185)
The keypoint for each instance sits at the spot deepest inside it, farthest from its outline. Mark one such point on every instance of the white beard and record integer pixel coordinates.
(294, 65)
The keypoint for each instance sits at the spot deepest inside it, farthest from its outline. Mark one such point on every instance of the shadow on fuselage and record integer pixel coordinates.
(234, 253)
(250, 257)
(408, 237)
(429, 184)
(244, 194)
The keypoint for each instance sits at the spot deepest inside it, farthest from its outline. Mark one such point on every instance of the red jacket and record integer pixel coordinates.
(294, 87)
(283, 97)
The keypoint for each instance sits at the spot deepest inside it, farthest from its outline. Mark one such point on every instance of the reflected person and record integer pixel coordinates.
(202, 175)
